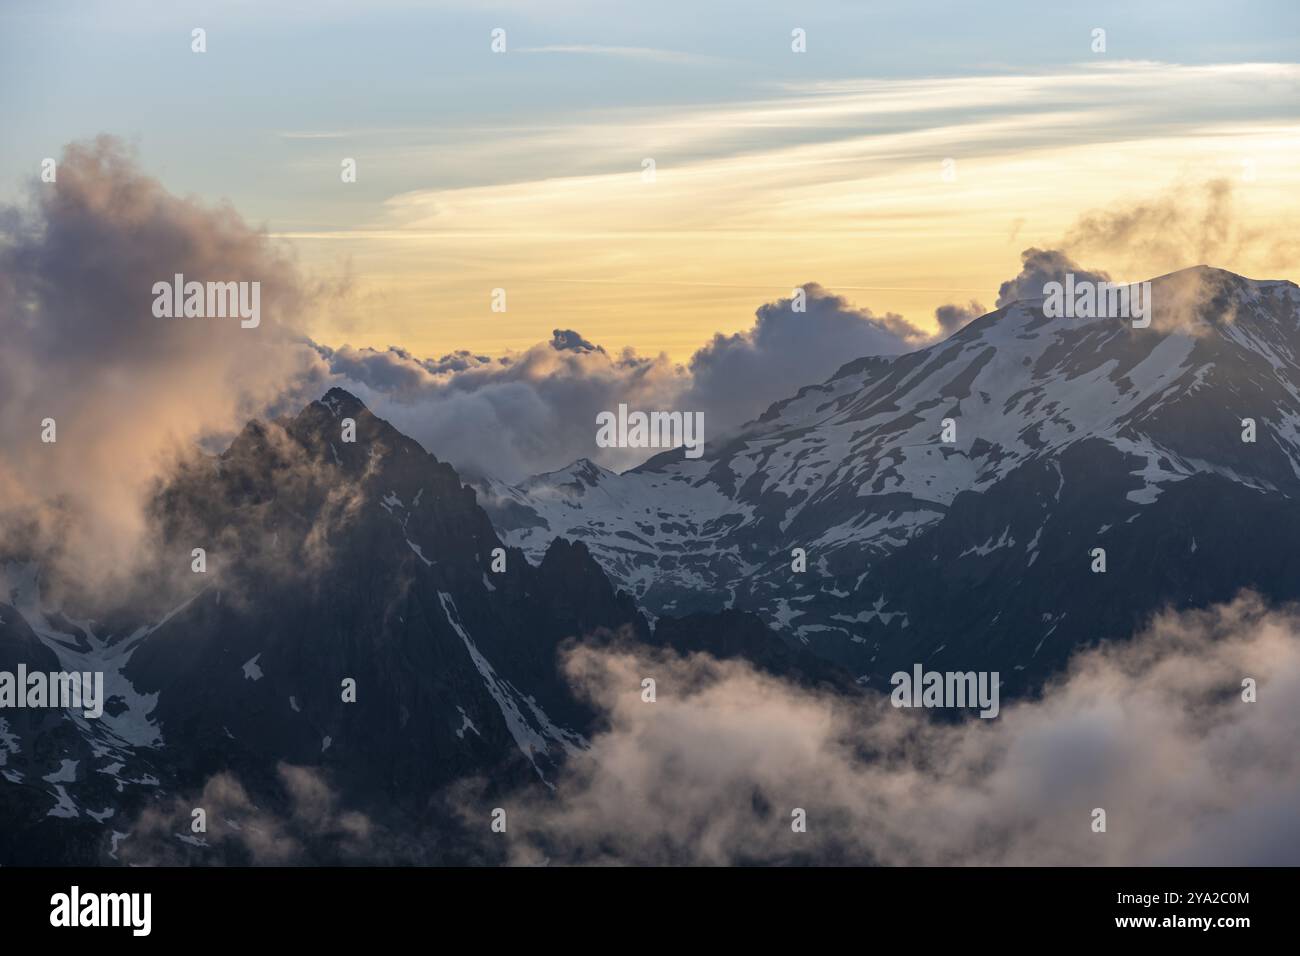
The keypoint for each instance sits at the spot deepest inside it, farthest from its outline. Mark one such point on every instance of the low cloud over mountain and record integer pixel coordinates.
(536, 409)
(734, 377)
(1039, 267)
(1154, 731)
(234, 825)
(127, 390)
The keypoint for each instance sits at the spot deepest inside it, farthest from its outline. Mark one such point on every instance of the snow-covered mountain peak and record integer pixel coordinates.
(858, 467)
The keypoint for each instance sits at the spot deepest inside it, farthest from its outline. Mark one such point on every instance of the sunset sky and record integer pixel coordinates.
(523, 170)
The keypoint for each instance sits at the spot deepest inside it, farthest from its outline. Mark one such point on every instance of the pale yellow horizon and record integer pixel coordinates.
(748, 202)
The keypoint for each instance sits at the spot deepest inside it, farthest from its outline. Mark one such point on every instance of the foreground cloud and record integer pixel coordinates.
(307, 827)
(127, 391)
(1154, 731)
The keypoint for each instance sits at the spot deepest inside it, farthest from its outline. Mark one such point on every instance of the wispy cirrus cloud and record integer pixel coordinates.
(647, 54)
(907, 185)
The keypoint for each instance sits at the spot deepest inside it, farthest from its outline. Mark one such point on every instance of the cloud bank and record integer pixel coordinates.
(514, 415)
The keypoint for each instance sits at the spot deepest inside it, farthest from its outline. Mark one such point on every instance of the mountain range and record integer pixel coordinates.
(366, 612)
(1068, 435)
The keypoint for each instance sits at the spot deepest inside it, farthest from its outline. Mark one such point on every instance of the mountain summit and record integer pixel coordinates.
(355, 613)
(355, 627)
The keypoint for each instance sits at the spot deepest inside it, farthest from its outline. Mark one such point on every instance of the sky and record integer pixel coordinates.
(917, 163)
(903, 161)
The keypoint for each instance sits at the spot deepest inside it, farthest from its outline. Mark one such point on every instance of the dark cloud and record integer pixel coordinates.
(562, 339)
(952, 317)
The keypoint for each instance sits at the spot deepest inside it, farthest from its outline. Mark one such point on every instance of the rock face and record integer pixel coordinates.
(367, 561)
(357, 615)
(334, 570)
(1070, 435)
